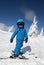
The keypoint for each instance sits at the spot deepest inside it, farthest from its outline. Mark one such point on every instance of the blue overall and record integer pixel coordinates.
(20, 34)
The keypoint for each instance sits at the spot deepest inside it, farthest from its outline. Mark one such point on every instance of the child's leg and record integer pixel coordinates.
(17, 48)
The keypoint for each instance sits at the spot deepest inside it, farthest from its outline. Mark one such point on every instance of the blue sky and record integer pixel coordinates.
(12, 10)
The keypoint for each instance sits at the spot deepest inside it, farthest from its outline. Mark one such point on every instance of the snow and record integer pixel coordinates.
(11, 29)
(33, 30)
(34, 48)
(42, 32)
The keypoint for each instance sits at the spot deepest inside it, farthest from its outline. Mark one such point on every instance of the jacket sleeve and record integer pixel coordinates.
(14, 33)
(26, 35)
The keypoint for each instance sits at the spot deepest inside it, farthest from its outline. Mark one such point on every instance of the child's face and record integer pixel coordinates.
(20, 25)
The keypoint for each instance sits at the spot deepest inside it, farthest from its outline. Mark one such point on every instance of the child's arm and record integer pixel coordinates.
(13, 35)
(26, 37)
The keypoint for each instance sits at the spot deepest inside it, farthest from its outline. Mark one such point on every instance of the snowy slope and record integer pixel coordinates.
(34, 47)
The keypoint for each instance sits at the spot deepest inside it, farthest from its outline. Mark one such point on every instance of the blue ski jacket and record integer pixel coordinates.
(20, 34)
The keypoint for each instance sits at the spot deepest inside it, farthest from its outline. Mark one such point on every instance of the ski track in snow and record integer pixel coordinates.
(34, 48)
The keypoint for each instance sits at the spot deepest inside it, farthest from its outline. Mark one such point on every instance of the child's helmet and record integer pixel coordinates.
(20, 20)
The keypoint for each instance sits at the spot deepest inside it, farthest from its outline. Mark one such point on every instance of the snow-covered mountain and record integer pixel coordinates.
(34, 48)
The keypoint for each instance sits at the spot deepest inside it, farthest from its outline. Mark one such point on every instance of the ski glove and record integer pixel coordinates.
(11, 40)
(26, 40)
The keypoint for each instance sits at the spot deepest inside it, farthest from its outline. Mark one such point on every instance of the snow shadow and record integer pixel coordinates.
(25, 49)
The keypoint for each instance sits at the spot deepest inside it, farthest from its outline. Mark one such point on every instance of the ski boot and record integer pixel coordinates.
(13, 56)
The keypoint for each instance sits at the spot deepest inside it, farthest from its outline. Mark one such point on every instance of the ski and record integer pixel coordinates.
(23, 57)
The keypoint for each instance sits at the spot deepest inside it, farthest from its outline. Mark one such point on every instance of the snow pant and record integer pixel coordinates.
(17, 49)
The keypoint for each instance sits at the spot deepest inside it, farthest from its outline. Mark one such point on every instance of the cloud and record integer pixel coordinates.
(28, 13)
(5, 27)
